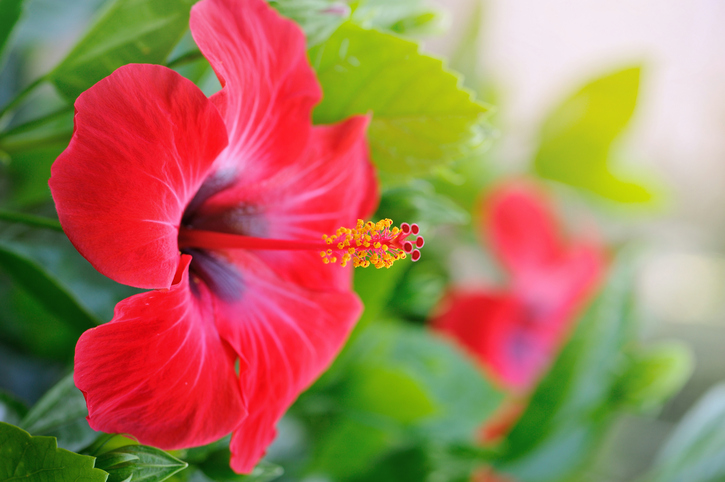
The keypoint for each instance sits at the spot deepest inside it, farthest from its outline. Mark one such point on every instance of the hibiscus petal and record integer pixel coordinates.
(288, 337)
(332, 186)
(144, 140)
(159, 370)
(269, 88)
(496, 330)
(521, 229)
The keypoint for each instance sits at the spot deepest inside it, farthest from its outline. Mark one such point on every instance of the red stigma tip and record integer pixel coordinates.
(415, 255)
(414, 228)
(407, 246)
(405, 229)
(420, 242)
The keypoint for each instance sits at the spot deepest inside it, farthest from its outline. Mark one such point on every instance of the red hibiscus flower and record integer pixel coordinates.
(219, 204)
(514, 333)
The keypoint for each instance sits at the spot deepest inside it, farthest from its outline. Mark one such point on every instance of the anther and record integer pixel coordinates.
(378, 244)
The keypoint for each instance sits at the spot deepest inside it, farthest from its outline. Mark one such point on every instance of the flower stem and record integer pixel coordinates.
(30, 220)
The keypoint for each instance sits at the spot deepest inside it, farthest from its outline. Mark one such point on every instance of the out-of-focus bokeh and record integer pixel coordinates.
(529, 56)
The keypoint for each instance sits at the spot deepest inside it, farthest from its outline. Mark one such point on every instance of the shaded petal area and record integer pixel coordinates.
(269, 88)
(288, 337)
(331, 186)
(159, 370)
(144, 140)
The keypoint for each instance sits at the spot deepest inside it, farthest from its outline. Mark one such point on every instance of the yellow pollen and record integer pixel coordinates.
(368, 243)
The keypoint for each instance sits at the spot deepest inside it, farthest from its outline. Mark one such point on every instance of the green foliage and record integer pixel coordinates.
(10, 11)
(405, 465)
(139, 463)
(37, 459)
(418, 202)
(406, 17)
(577, 137)
(216, 467)
(46, 290)
(318, 18)
(128, 31)
(61, 412)
(655, 374)
(572, 406)
(695, 451)
(12, 410)
(422, 118)
(402, 386)
(375, 287)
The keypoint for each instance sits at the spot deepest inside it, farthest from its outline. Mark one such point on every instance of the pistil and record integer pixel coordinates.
(365, 244)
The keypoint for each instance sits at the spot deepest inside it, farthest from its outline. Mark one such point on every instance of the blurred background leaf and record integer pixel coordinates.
(695, 450)
(128, 31)
(576, 138)
(570, 410)
(61, 413)
(10, 11)
(402, 388)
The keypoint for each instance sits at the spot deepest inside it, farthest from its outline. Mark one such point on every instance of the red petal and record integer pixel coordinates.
(488, 327)
(522, 229)
(144, 140)
(331, 186)
(269, 86)
(288, 337)
(159, 370)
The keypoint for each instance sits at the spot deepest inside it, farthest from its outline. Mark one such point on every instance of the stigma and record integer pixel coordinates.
(377, 244)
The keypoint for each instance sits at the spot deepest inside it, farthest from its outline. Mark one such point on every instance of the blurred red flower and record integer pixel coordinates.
(155, 182)
(514, 333)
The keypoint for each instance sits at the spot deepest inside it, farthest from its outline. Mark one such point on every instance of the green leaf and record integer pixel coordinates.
(37, 459)
(12, 410)
(655, 374)
(375, 287)
(408, 17)
(318, 18)
(577, 137)
(571, 408)
(406, 465)
(459, 398)
(695, 451)
(128, 31)
(10, 11)
(61, 412)
(47, 291)
(139, 463)
(421, 117)
(216, 467)
(419, 203)
(401, 384)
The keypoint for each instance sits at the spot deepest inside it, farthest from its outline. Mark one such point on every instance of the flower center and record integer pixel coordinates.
(366, 244)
